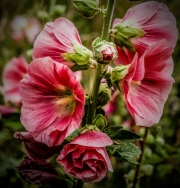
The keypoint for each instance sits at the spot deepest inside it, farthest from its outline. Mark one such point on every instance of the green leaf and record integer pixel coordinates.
(110, 131)
(124, 135)
(116, 133)
(126, 151)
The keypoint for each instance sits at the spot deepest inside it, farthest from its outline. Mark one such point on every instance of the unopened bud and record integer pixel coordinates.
(82, 57)
(99, 120)
(87, 8)
(122, 33)
(118, 73)
(104, 52)
(104, 95)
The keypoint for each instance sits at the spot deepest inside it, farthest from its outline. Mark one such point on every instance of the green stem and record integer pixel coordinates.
(79, 184)
(138, 166)
(97, 79)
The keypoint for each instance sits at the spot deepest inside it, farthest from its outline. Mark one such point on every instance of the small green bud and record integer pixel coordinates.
(122, 33)
(104, 52)
(87, 128)
(118, 73)
(43, 15)
(87, 8)
(104, 95)
(99, 120)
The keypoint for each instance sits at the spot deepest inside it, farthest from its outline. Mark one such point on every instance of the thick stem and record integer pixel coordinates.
(138, 166)
(97, 79)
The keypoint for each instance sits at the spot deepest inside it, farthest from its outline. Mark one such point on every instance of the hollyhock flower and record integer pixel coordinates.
(53, 101)
(148, 82)
(60, 40)
(25, 27)
(86, 157)
(39, 174)
(37, 151)
(142, 25)
(12, 74)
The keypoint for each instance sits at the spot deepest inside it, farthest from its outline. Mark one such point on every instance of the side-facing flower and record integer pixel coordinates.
(53, 101)
(86, 157)
(12, 74)
(60, 40)
(142, 25)
(148, 83)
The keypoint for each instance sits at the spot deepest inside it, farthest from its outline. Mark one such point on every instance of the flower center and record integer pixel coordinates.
(65, 101)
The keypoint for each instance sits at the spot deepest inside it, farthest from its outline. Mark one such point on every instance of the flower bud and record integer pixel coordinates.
(121, 35)
(104, 95)
(118, 73)
(104, 52)
(99, 120)
(81, 56)
(87, 8)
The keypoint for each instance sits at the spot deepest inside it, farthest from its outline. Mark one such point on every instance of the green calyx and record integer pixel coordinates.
(121, 35)
(104, 95)
(82, 57)
(87, 8)
(100, 121)
(118, 73)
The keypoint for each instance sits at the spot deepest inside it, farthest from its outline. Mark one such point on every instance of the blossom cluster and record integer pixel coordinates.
(52, 98)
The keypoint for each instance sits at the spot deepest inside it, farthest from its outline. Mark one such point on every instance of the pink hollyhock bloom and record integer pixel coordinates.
(86, 157)
(25, 27)
(148, 83)
(12, 74)
(53, 101)
(60, 40)
(155, 20)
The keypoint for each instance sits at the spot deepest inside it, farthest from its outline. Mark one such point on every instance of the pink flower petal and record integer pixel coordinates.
(92, 139)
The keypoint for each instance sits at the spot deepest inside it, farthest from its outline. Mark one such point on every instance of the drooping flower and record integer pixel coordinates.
(12, 74)
(148, 82)
(36, 151)
(60, 40)
(53, 101)
(35, 173)
(141, 26)
(86, 157)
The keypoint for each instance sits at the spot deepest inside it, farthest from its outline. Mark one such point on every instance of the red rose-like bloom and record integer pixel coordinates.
(86, 157)
(155, 20)
(148, 83)
(56, 39)
(53, 101)
(13, 72)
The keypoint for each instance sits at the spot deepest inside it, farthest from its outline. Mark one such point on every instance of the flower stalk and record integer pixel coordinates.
(138, 166)
(97, 79)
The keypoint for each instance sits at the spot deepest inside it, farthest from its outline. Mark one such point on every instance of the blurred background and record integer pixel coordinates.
(20, 23)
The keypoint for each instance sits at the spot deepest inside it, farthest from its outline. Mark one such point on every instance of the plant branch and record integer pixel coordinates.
(138, 166)
(97, 79)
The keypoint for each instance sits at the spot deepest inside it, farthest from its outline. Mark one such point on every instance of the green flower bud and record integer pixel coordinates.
(104, 95)
(122, 33)
(118, 73)
(87, 128)
(82, 57)
(99, 120)
(104, 52)
(87, 8)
